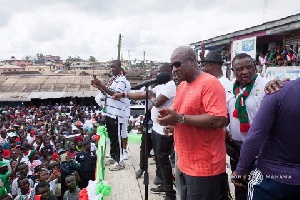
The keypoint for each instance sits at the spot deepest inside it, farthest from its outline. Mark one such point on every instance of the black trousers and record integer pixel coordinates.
(199, 188)
(162, 146)
(233, 150)
(114, 133)
(142, 150)
(239, 192)
(224, 188)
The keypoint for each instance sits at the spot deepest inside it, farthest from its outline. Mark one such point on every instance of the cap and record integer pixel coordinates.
(61, 151)
(78, 123)
(213, 57)
(78, 138)
(3, 164)
(12, 134)
(284, 52)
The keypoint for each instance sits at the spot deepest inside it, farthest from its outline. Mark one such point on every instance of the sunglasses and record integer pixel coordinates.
(178, 63)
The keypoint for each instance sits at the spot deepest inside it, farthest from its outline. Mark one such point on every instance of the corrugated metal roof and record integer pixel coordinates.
(90, 93)
(27, 87)
(15, 96)
(35, 95)
(81, 94)
(52, 95)
(292, 22)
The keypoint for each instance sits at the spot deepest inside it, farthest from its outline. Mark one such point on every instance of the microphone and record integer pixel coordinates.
(161, 78)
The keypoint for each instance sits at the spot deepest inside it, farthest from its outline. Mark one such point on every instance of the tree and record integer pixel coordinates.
(67, 65)
(27, 57)
(92, 62)
(92, 59)
(39, 55)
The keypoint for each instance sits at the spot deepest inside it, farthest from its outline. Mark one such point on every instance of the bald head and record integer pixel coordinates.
(185, 52)
(183, 61)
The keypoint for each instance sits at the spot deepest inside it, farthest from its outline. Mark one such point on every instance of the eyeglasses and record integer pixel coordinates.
(178, 63)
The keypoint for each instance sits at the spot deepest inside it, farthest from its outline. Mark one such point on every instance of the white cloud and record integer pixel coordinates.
(85, 28)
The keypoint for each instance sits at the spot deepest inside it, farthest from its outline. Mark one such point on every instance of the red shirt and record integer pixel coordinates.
(201, 151)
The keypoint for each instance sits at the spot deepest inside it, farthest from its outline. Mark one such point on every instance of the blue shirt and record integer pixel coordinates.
(275, 137)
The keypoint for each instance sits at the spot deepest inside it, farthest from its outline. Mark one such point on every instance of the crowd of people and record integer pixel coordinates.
(198, 116)
(277, 56)
(47, 152)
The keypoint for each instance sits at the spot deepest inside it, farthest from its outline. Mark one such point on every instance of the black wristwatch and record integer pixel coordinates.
(181, 119)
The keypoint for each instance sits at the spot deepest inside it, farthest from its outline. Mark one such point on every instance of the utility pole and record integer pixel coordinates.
(129, 58)
(265, 11)
(119, 46)
(144, 62)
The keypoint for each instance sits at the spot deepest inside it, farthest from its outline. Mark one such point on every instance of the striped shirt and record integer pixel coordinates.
(126, 100)
(116, 108)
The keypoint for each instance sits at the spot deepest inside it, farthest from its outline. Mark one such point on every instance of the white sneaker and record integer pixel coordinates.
(125, 155)
(109, 161)
(116, 167)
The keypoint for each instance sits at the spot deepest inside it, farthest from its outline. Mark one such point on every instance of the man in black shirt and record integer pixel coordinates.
(87, 160)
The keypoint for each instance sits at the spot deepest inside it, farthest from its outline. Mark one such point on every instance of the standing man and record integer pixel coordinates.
(43, 190)
(249, 92)
(114, 111)
(161, 96)
(274, 138)
(162, 144)
(212, 64)
(72, 149)
(23, 171)
(126, 119)
(87, 160)
(26, 192)
(198, 114)
(73, 191)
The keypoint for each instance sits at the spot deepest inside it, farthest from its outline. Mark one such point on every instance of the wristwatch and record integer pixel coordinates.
(181, 119)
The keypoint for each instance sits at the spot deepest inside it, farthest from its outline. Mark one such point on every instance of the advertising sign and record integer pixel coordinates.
(281, 73)
(247, 45)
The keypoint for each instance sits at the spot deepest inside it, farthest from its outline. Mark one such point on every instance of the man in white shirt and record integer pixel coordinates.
(126, 119)
(162, 144)
(248, 90)
(114, 111)
(212, 64)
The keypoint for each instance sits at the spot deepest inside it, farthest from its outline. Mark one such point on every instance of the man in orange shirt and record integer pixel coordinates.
(198, 114)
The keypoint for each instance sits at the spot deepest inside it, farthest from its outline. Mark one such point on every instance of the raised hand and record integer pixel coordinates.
(96, 83)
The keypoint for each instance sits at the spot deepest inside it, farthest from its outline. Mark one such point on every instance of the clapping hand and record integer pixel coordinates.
(167, 117)
(169, 130)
